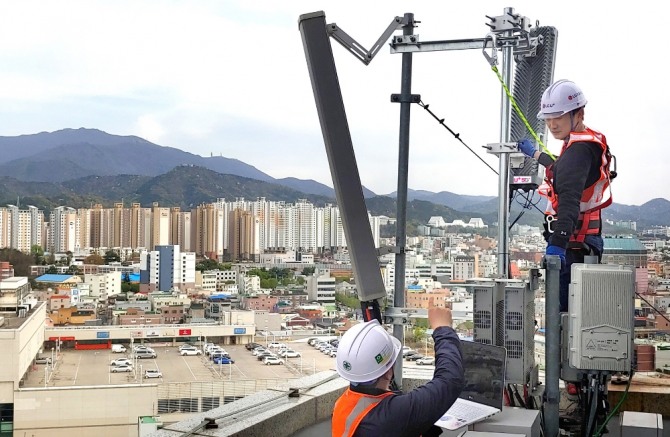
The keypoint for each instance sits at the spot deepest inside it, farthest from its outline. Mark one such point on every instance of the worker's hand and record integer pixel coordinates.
(555, 250)
(438, 316)
(527, 147)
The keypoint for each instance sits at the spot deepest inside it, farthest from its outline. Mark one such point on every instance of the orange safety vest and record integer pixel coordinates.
(350, 409)
(594, 198)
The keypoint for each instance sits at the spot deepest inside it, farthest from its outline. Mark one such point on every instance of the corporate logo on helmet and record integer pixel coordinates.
(346, 365)
(548, 105)
(574, 96)
(383, 355)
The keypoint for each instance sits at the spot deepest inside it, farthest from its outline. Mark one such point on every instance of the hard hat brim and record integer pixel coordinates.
(549, 115)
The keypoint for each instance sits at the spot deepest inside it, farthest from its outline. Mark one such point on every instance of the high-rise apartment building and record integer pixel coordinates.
(243, 236)
(160, 226)
(205, 230)
(121, 226)
(207, 226)
(20, 229)
(64, 230)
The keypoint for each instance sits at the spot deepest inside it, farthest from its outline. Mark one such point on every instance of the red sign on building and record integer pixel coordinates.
(184, 332)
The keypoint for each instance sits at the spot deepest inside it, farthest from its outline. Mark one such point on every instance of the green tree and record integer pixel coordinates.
(418, 333)
(111, 256)
(269, 283)
(21, 261)
(349, 301)
(94, 259)
(38, 253)
(261, 273)
(73, 270)
(52, 270)
(300, 280)
(50, 259)
(207, 264)
(308, 271)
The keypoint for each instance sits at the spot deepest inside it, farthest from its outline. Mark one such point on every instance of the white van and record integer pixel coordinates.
(118, 348)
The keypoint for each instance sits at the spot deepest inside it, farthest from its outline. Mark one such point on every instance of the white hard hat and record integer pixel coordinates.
(366, 351)
(560, 98)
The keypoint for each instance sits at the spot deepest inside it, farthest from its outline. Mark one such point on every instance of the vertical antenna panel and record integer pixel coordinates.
(532, 75)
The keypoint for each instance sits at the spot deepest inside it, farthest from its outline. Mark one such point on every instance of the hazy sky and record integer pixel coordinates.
(230, 77)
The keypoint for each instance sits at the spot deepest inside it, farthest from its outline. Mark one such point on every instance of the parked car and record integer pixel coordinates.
(219, 355)
(272, 360)
(427, 361)
(333, 353)
(410, 354)
(143, 353)
(264, 355)
(251, 346)
(415, 357)
(258, 351)
(276, 345)
(223, 360)
(118, 348)
(43, 360)
(214, 350)
(152, 373)
(121, 362)
(289, 354)
(407, 351)
(190, 352)
(186, 346)
(122, 368)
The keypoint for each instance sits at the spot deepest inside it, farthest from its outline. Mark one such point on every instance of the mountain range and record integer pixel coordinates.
(79, 167)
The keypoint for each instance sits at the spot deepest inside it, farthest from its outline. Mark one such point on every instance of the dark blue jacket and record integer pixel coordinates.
(413, 413)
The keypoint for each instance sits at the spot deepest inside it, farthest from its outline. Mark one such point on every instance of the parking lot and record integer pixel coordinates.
(92, 367)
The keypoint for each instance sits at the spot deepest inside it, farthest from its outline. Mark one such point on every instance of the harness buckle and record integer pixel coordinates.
(549, 219)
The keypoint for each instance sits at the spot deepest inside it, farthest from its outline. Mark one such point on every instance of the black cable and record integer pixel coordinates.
(510, 395)
(519, 398)
(458, 137)
(652, 307)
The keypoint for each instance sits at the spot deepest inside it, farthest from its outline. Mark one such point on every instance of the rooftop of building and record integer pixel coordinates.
(12, 321)
(53, 278)
(623, 245)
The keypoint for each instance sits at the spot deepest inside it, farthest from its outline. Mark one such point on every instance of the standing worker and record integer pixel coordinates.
(577, 183)
(365, 357)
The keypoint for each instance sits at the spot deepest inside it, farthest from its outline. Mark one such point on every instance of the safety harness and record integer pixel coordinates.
(594, 198)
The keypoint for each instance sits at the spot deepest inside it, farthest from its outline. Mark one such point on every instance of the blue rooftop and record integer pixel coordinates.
(53, 278)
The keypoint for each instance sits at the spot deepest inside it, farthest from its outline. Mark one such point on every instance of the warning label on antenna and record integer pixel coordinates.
(605, 345)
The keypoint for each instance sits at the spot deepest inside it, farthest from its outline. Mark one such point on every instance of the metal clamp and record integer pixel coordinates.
(400, 316)
(493, 59)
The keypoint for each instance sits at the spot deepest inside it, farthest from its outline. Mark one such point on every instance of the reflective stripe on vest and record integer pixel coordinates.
(350, 409)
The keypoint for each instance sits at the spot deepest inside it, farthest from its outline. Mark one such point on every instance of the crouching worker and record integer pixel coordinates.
(365, 357)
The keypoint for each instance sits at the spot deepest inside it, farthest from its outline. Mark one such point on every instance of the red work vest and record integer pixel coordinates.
(594, 198)
(350, 409)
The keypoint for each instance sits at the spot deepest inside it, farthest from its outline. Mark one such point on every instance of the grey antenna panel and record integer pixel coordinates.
(532, 75)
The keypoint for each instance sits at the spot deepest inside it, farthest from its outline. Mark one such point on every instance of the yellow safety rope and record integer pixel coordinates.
(518, 111)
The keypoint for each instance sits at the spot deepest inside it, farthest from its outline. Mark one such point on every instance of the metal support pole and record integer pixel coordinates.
(401, 198)
(503, 163)
(552, 346)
